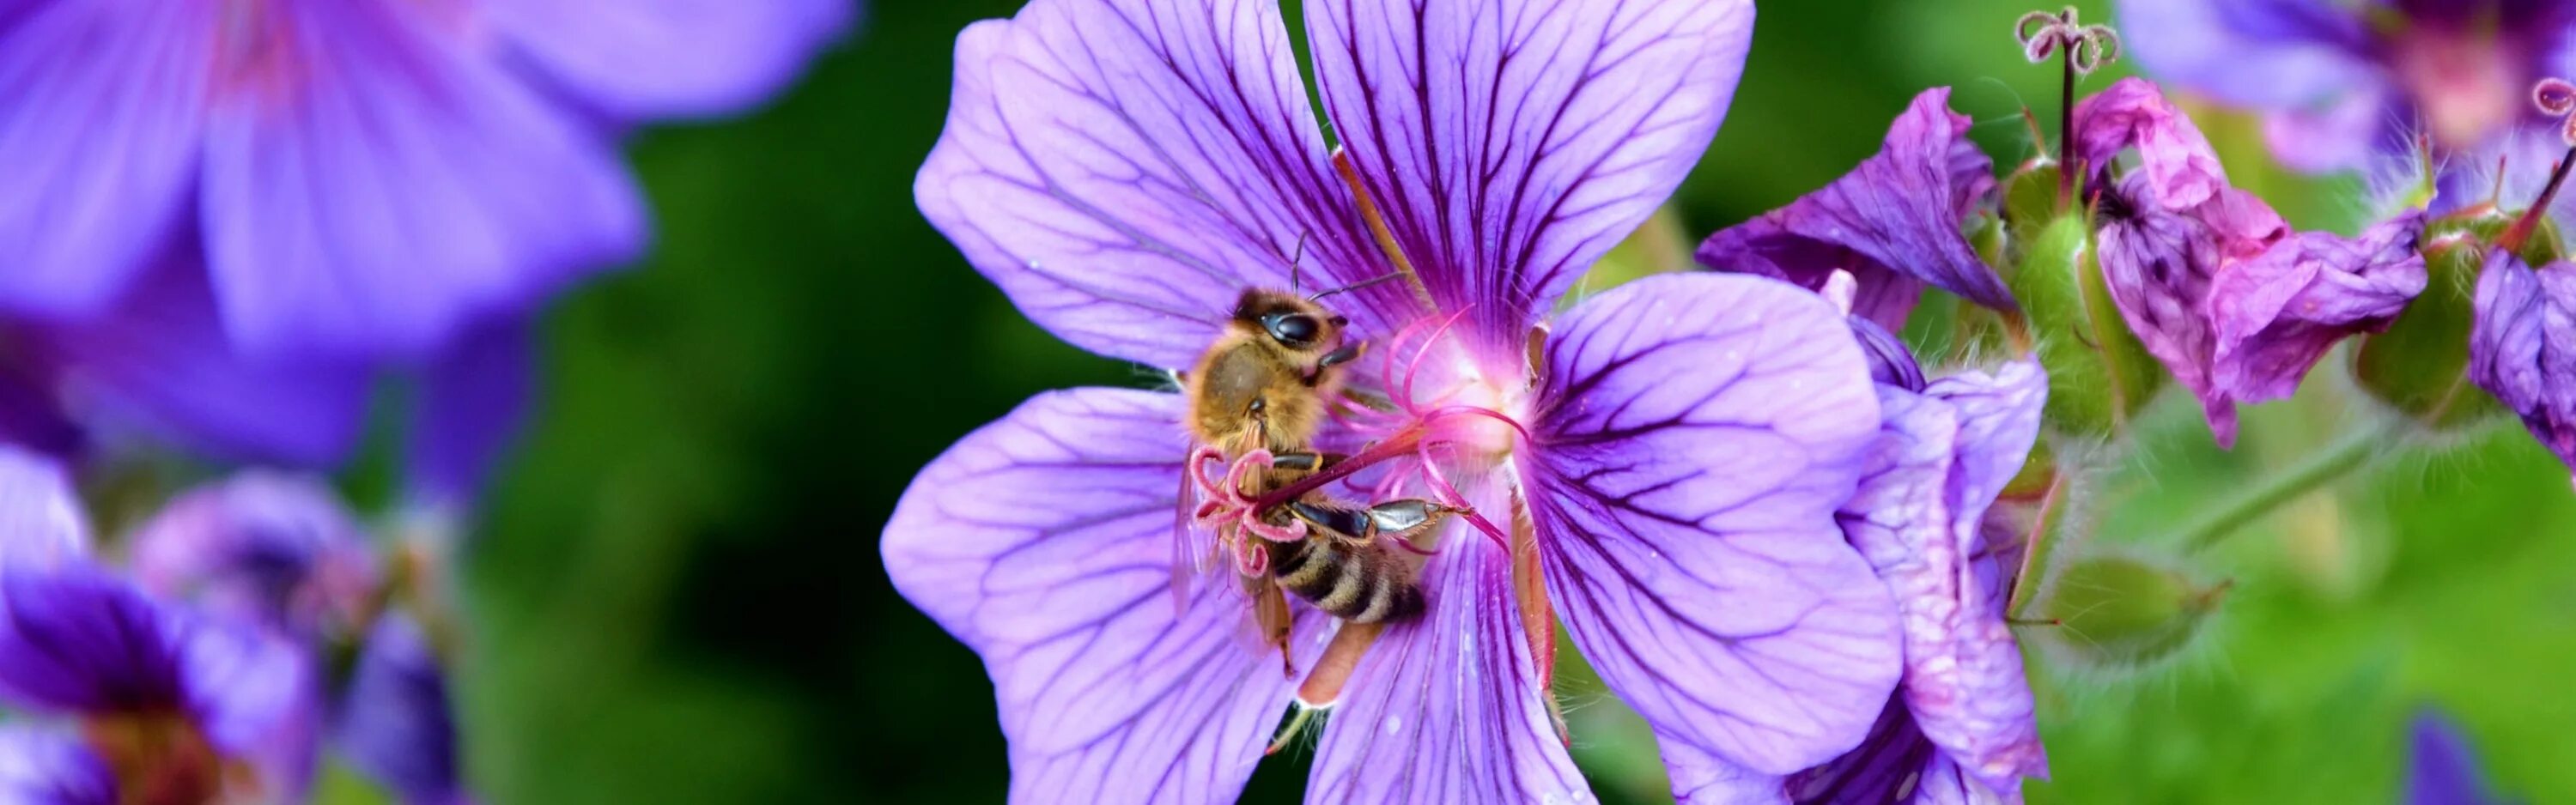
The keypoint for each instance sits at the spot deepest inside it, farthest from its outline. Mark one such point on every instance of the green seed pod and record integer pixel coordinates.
(2120, 613)
(2099, 373)
(2419, 367)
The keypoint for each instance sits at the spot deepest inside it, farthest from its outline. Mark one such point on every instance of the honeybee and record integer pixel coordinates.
(1265, 384)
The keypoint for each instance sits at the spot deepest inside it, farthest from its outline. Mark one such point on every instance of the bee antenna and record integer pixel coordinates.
(1356, 286)
(1297, 263)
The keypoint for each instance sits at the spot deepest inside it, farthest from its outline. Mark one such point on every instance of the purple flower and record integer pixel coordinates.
(41, 524)
(1896, 222)
(1660, 465)
(1963, 719)
(395, 723)
(51, 767)
(2338, 81)
(2215, 285)
(180, 706)
(359, 177)
(281, 552)
(2522, 348)
(2443, 768)
(262, 548)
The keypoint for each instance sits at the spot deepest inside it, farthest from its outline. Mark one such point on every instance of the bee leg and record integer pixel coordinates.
(1305, 462)
(1332, 520)
(1348, 353)
(1404, 518)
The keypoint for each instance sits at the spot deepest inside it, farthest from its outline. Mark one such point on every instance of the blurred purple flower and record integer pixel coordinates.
(51, 767)
(1666, 463)
(2522, 347)
(2218, 288)
(2339, 81)
(282, 552)
(395, 721)
(2443, 769)
(180, 706)
(1961, 728)
(1896, 222)
(361, 178)
(262, 548)
(156, 363)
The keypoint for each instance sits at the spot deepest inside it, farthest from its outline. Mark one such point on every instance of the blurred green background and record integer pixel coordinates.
(680, 599)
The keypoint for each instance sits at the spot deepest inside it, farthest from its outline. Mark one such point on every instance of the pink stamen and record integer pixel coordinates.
(1413, 368)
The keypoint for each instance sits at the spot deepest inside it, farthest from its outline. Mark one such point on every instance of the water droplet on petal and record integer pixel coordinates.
(1394, 724)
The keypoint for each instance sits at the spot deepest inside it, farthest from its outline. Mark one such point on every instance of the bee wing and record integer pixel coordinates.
(1187, 560)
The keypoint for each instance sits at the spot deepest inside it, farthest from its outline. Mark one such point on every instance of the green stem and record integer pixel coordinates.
(2337, 460)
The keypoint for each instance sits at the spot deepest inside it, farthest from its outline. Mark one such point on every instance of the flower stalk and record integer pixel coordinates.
(2341, 458)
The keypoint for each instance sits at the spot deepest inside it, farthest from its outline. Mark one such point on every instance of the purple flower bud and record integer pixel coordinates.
(2522, 348)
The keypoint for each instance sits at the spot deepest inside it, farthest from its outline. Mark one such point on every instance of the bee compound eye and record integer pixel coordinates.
(1295, 329)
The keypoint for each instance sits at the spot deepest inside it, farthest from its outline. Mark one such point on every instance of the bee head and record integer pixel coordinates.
(1289, 321)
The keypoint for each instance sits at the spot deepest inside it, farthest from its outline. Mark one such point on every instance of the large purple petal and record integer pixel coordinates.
(76, 640)
(1447, 707)
(1701, 430)
(2523, 347)
(1899, 213)
(1918, 517)
(46, 767)
(41, 523)
(1043, 541)
(1511, 144)
(646, 59)
(391, 185)
(473, 403)
(2277, 314)
(2276, 55)
(395, 723)
(100, 106)
(1124, 169)
(160, 360)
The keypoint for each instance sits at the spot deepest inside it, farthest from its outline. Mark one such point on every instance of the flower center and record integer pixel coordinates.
(158, 757)
(2468, 84)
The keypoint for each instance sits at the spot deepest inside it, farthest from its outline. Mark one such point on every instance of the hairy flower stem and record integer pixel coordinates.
(2355, 451)
(2066, 131)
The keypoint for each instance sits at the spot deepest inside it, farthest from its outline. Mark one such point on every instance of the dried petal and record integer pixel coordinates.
(1894, 221)
(2278, 313)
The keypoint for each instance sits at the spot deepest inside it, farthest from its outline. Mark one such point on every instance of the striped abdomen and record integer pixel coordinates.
(1356, 581)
